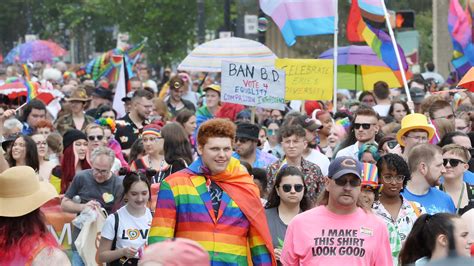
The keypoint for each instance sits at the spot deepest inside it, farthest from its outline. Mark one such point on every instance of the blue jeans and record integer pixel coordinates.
(76, 259)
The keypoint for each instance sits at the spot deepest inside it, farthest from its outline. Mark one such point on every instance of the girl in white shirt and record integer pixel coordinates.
(123, 242)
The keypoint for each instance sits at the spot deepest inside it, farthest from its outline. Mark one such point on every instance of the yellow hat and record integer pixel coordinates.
(413, 122)
(21, 192)
(213, 87)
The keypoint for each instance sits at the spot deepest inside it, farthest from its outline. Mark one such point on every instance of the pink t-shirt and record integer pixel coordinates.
(320, 237)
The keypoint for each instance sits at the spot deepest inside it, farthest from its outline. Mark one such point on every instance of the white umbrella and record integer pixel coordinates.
(208, 56)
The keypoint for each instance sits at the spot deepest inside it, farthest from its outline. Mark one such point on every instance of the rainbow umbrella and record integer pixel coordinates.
(39, 50)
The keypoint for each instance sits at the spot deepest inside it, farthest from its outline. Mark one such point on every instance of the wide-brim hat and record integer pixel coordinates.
(21, 192)
(78, 94)
(413, 122)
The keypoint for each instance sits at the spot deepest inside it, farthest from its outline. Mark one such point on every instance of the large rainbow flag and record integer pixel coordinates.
(108, 64)
(459, 27)
(366, 22)
(301, 17)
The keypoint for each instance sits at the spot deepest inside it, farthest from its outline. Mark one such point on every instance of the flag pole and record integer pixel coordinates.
(335, 52)
(397, 54)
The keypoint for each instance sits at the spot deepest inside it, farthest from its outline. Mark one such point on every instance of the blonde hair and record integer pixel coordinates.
(423, 152)
(457, 150)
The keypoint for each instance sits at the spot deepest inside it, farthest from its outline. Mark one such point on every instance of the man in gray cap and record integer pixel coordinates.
(338, 231)
(246, 142)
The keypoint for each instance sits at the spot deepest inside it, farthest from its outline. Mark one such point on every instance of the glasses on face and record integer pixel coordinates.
(452, 162)
(290, 142)
(343, 181)
(363, 125)
(391, 178)
(145, 140)
(449, 117)
(95, 138)
(418, 138)
(100, 171)
(272, 132)
(241, 140)
(41, 143)
(287, 187)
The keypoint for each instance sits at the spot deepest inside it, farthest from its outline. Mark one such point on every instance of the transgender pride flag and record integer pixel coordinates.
(301, 17)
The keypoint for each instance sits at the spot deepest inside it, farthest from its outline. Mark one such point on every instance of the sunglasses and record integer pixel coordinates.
(272, 132)
(241, 140)
(353, 182)
(287, 187)
(363, 125)
(452, 162)
(93, 138)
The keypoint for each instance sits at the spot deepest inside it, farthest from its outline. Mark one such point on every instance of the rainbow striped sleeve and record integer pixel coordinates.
(164, 220)
(260, 253)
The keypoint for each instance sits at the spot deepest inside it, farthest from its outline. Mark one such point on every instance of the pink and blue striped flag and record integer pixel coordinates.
(301, 17)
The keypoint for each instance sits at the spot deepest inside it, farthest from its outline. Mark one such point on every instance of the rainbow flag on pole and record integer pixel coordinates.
(31, 89)
(301, 17)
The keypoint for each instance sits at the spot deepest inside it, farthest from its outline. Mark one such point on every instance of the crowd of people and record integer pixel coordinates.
(187, 178)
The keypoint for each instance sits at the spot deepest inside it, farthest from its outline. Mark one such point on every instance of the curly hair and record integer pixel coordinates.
(216, 128)
(395, 163)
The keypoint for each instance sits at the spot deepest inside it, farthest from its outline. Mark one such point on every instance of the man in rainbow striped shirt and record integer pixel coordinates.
(215, 202)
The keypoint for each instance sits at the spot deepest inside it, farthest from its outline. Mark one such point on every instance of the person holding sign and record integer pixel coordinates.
(338, 231)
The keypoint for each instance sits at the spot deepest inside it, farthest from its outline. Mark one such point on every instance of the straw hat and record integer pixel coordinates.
(21, 192)
(78, 94)
(412, 122)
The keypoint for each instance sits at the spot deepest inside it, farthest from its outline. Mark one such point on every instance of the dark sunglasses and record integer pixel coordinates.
(363, 125)
(287, 187)
(353, 182)
(92, 138)
(241, 140)
(452, 162)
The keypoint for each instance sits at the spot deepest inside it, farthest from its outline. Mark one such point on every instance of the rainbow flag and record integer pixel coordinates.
(301, 17)
(26, 72)
(377, 39)
(370, 175)
(459, 27)
(31, 90)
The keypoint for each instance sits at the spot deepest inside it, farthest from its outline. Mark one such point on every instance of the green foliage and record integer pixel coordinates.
(424, 26)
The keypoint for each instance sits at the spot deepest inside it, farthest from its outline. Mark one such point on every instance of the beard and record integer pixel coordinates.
(312, 145)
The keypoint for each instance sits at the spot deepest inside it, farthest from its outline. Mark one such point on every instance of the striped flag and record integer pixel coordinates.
(121, 90)
(301, 17)
(459, 27)
(31, 90)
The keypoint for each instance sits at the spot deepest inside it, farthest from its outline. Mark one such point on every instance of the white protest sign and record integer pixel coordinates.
(253, 85)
